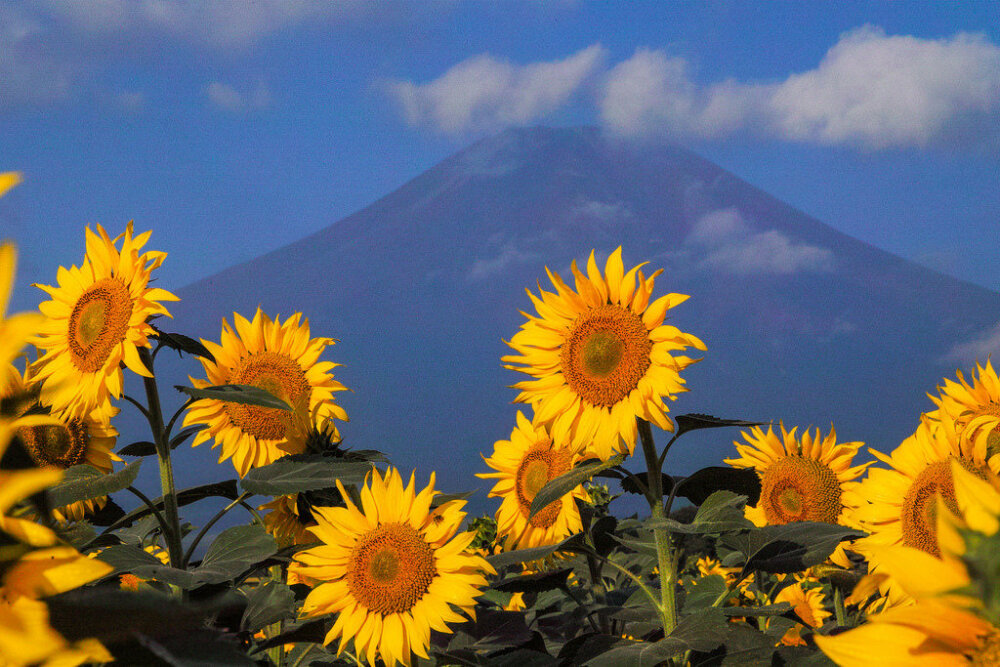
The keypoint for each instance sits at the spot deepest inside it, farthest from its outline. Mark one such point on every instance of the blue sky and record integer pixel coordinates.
(232, 131)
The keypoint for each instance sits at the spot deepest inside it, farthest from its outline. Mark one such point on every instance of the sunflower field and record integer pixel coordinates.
(791, 551)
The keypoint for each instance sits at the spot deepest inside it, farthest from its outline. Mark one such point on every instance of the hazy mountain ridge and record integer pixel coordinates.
(802, 322)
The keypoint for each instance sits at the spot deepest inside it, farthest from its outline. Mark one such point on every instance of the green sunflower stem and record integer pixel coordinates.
(155, 416)
(664, 547)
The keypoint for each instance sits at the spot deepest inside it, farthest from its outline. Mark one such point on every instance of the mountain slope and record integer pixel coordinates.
(802, 322)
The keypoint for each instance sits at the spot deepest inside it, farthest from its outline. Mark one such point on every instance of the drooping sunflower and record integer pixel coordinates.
(523, 465)
(16, 485)
(281, 358)
(944, 625)
(286, 522)
(16, 330)
(974, 408)
(802, 479)
(899, 505)
(66, 441)
(601, 356)
(96, 321)
(392, 570)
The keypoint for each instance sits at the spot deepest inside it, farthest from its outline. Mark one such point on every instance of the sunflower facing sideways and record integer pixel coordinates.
(802, 479)
(281, 358)
(523, 465)
(600, 356)
(97, 320)
(947, 623)
(974, 408)
(900, 503)
(392, 570)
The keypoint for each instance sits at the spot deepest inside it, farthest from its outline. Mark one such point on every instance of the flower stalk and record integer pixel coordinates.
(664, 547)
(154, 413)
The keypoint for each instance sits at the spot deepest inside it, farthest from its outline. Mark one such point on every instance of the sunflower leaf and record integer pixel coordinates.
(233, 551)
(508, 558)
(556, 488)
(181, 437)
(299, 473)
(236, 393)
(721, 512)
(266, 604)
(534, 583)
(182, 343)
(141, 448)
(699, 486)
(187, 496)
(696, 421)
(84, 482)
(791, 547)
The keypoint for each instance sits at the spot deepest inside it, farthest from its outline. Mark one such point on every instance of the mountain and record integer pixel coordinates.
(802, 323)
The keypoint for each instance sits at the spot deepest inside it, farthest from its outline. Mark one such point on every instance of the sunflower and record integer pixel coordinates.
(523, 465)
(898, 505)
(286, 523)
(26, 638)
(808, 604)
(974, 408)
(97, 320)
(601, 357)
(17, 485)
(67, 441)
(16, 330)
(944, 625)
(9, 179)
(392, 570)
(805, 479)
(282, 359)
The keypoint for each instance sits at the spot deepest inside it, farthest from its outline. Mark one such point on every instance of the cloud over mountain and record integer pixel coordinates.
(485, 93)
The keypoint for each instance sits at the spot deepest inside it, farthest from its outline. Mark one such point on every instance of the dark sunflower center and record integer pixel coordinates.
(98, 322)
(605, 354)
(59, 445)
(988, 653)
(795, 488)
(390, 569)
(919, 512)
(277, 374)
(540, 465)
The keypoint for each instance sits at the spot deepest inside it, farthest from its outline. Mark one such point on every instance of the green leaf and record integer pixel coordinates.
(304, 472)
(233, 551)
(792, 547)
(313, 632)
(721, 512)
(565, 483)
(703, 593)
(266, 604)
(443, 498)
(141, 448)
(639, 654)
(187, 496)
(699, 486)
(508, 558)
(765, 610)
(694, 421)
(84, 482)
(182, 343)
(237, 393)
(535, 583)
(181, 437)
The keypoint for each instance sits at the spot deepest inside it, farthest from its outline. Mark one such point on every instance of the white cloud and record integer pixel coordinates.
(977, 349)
(507, 257)
(228, 98)
(870, 89)
(223, 24)
(599, 210)
(726, 242)
(484, 93)
(31, 69)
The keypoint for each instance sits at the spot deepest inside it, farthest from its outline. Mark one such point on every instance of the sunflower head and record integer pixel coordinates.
(522, 466)
(600, 356)
(899, 505)
(974, 409)
(802, 479)
(16, 330)
(97, 321)
(281, 358)
(392, 570)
